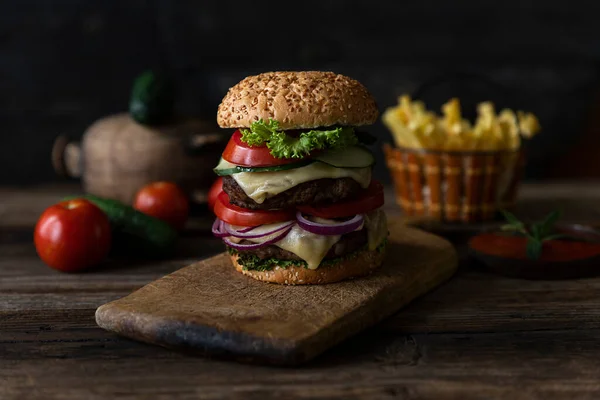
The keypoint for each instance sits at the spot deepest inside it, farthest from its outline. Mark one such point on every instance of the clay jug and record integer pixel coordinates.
(117, 156)
(121, 153)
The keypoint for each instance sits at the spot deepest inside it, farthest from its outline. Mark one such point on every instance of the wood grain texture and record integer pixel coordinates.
(478, 336)
(372, 365)
(210, 307)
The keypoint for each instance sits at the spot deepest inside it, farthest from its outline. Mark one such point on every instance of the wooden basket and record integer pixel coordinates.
(454, 186)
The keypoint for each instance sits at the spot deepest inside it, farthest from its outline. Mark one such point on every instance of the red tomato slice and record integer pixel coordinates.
(239, 153)
(371, 199)
(213, 193)
(235, 215)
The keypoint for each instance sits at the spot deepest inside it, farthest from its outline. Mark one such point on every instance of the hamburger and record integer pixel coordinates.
(296, 202)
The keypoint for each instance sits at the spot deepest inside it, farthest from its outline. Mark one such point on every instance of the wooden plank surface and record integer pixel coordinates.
(210, 308)
(478, 336)
(549, 365)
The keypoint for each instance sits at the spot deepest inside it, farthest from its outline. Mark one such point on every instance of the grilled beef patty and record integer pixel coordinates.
(348, 243)
(313, 192)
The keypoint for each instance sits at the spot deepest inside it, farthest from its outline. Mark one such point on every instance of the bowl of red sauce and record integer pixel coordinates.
(575, 256)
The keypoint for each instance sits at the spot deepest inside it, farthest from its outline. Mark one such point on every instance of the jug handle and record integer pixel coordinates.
(66, 157)
(196, 143)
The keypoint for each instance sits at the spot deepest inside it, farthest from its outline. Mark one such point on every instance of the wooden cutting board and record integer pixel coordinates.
(211, 309)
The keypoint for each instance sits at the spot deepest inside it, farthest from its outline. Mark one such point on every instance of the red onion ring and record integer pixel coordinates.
(217, 229)
(256, 245)
(252, 235)
(340, 228)
(247, 229)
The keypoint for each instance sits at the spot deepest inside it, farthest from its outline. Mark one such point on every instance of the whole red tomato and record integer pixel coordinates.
(213, 193)
(165, 201)
(72, 235)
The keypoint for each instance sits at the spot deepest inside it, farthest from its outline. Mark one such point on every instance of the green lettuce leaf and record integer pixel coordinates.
(283, 145)
(260, 132)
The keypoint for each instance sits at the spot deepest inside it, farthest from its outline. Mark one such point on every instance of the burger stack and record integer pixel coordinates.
(297, 203)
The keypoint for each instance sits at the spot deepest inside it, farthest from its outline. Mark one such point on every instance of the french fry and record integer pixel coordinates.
(413, 126)
(458, 130)
(402, 135)
(528, 123)
(484, 127)
(452, 116)
(510, 129)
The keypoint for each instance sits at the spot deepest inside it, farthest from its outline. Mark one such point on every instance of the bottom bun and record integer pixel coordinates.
(364, 262)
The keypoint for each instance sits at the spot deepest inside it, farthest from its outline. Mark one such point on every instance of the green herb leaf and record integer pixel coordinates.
(509, 228)
(560, 236)
(511, 218)
(536, 230)
(283, 145)
(514, 224)
(537, 233)
(547, 225)
(534, 249)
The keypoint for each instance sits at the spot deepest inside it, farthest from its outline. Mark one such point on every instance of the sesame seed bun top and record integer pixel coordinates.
(298, 100)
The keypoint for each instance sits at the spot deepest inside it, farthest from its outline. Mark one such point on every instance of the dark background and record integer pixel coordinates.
(64, 64)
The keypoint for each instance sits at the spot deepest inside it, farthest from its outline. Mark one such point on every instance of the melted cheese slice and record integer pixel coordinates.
(312, 248)
(262, 185)
(376, 226)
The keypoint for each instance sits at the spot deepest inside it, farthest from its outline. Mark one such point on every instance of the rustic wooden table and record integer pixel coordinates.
(479, 336)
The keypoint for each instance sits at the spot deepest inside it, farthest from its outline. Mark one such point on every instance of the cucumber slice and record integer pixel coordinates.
(348, 157)
(226, 168)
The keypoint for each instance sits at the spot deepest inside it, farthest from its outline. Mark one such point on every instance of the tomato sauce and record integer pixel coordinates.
(515, 247)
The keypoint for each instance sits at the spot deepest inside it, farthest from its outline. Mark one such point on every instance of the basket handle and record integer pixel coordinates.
(202, 144)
